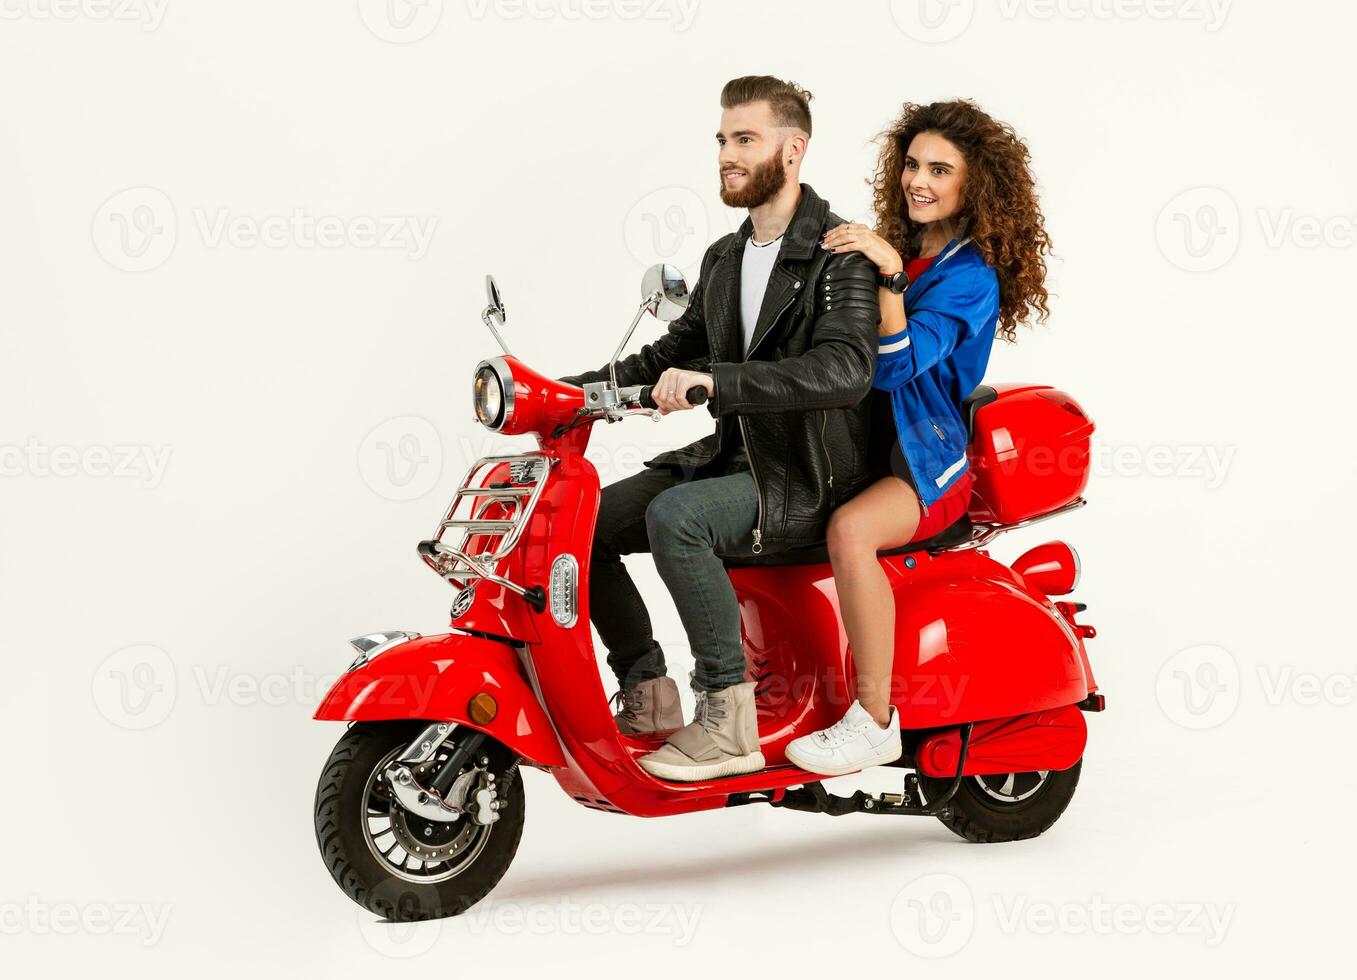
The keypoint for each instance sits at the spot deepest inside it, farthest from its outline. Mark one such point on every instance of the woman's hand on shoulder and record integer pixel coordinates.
(854, 237)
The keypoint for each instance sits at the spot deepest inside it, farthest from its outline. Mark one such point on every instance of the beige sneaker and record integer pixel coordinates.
(650, 708)
(722, 740)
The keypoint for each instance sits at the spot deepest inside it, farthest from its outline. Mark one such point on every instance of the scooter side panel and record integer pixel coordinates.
(434, 678)
(972, 643)
(1042, 740)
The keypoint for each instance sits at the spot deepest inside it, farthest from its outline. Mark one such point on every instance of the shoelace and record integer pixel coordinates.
(709, 712)
(837, 734)
(629, 701)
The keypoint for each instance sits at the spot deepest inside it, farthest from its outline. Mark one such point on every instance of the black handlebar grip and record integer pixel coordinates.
(697, 395)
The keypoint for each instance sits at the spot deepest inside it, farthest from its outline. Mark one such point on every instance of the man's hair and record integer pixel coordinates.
(789, 101)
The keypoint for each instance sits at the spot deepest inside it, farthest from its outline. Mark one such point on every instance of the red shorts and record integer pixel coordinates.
(946, 510)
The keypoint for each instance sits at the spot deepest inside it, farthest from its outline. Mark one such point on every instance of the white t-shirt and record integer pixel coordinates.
(754, 273)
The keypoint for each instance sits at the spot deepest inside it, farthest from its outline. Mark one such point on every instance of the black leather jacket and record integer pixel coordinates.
(796, 401)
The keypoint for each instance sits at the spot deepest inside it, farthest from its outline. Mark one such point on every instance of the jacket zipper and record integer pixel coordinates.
(758, 491)
(744, 437)
(824, 421)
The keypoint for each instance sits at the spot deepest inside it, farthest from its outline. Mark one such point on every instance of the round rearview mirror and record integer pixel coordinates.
(667, 291)
(496, 302)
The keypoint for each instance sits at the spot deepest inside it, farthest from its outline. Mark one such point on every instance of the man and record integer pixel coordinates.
(782, 335)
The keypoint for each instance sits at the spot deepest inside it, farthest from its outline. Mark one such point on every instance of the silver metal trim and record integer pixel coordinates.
(373, 644)
(455, 564)
(506, 388)
(983, 534)
(421, 750)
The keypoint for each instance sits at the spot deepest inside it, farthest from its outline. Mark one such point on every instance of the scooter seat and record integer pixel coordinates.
(954, 534)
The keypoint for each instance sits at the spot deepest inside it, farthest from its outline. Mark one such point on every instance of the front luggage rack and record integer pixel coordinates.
(478, 510)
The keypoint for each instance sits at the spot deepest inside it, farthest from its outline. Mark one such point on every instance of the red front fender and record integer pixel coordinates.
(433, 678)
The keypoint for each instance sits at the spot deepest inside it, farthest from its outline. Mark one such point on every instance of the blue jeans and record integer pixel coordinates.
(687, 525)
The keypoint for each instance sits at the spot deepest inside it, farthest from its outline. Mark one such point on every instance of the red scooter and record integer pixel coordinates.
(420, 806)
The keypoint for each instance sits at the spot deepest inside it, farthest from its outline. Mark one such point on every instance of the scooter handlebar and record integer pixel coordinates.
(696, 395)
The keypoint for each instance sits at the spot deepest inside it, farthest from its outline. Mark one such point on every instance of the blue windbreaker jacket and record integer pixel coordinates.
(951, 312)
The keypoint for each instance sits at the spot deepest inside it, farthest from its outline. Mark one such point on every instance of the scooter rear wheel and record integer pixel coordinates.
(1014, 806)
(389, 860)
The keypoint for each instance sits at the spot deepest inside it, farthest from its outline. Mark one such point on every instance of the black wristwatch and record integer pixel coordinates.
(895, 282)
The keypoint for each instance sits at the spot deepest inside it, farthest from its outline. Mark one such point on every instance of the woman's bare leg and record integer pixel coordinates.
(885, 515)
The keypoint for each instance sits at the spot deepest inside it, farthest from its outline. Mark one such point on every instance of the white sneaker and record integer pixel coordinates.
(853, 742)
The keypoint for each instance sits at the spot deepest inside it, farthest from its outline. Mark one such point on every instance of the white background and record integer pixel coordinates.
(1196, 170)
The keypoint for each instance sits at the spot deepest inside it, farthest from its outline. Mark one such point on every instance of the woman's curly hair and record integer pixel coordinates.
(999, 209)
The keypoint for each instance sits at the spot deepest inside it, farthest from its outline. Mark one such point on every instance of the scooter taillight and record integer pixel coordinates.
(1052, 567)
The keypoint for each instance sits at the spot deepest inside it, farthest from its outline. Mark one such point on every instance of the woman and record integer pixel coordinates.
(957, 221)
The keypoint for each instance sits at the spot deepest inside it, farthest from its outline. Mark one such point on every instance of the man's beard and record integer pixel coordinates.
(764, 181)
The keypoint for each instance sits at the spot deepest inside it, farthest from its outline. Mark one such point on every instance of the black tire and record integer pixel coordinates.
(342, 821)
(982, 818)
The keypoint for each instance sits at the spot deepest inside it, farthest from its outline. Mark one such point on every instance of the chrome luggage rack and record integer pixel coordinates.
(985, 532)
(459, 568)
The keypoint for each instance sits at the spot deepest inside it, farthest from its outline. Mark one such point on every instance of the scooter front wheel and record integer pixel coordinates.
(394, 862)
(1007, 807)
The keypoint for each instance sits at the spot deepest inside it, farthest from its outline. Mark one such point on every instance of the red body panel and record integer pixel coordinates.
(974, 642)
(1029, 453)
(433, 678)
(1043, 740)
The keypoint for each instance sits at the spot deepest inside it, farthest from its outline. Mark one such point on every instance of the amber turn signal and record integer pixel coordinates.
(482, 708)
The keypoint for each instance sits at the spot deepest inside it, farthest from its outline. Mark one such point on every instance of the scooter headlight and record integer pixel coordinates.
(492, 394)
